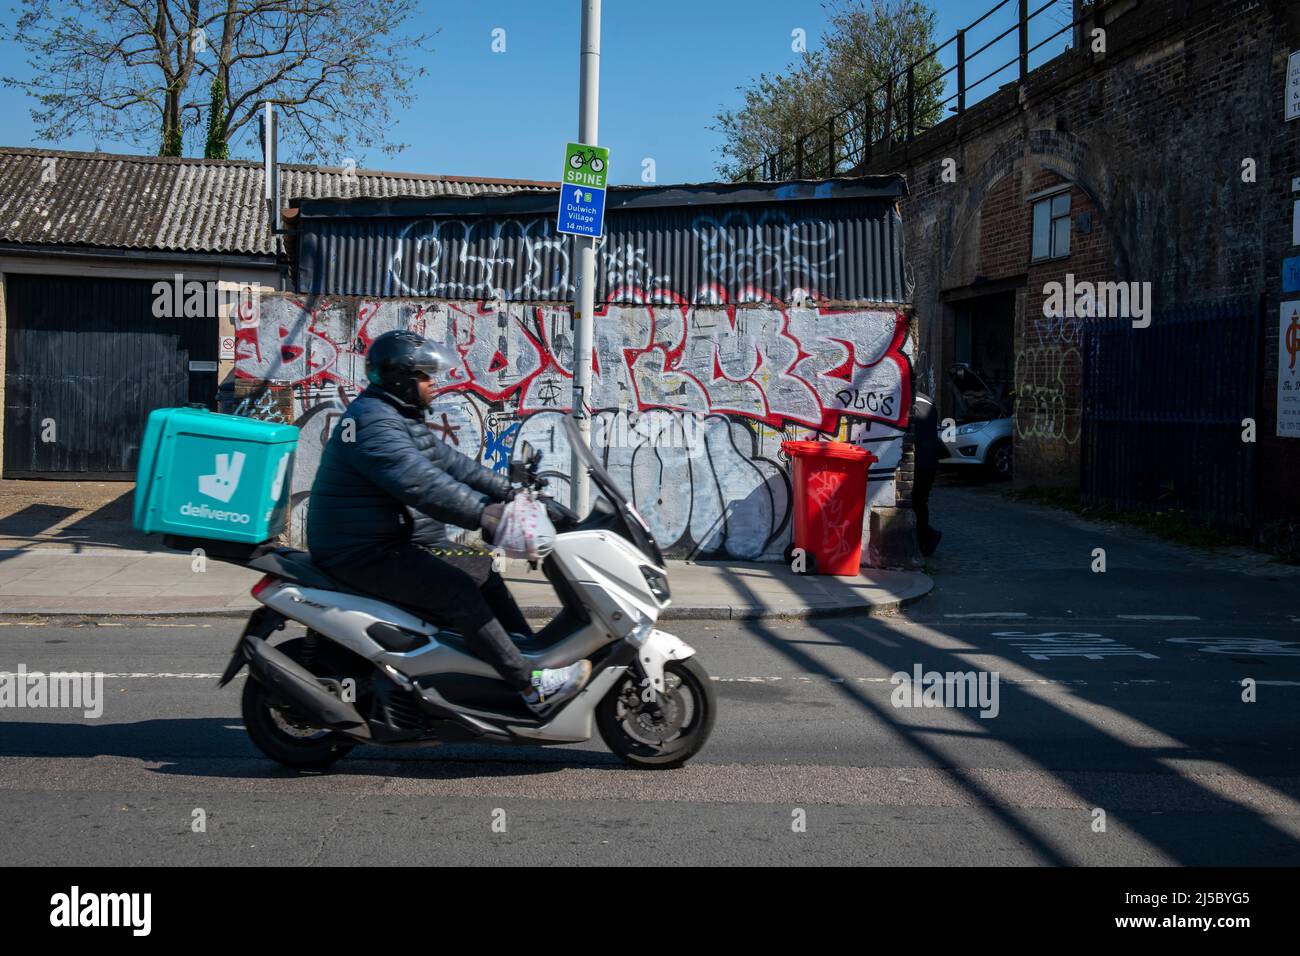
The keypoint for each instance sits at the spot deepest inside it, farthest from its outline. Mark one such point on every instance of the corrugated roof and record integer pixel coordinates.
(58, 197)
(839, 240)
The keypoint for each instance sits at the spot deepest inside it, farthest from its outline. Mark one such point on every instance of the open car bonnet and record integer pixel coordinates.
(975, 400)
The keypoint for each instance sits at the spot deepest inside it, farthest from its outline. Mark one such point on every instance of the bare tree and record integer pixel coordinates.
(152, 70)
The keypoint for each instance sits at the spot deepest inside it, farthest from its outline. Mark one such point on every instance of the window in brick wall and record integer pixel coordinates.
(1052, 227)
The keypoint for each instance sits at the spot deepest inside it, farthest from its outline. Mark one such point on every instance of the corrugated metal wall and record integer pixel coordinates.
(843, 250)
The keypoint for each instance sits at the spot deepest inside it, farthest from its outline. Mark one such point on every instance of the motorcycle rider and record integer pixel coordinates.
(385, 489)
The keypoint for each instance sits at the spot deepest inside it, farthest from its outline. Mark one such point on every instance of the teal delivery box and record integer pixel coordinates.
(206, 475)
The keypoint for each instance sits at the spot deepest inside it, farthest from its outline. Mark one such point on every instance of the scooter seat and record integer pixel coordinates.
(296, 566)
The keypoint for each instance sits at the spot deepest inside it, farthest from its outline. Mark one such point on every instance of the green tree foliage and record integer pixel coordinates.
(858, 79)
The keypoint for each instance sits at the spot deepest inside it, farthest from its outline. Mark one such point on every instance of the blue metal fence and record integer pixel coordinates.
(1163, 412)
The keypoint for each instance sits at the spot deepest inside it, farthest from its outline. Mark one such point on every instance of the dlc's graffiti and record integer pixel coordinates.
(734, 379)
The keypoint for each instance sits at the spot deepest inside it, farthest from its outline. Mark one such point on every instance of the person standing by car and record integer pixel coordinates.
(927, 450)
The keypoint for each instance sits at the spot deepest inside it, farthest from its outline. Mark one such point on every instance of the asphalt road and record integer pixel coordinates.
(1120, 702)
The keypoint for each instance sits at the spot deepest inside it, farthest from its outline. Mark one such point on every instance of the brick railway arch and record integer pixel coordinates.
(963, 234)
(1058, 151)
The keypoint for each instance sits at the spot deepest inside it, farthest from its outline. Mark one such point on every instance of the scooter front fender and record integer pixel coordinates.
(654, 649)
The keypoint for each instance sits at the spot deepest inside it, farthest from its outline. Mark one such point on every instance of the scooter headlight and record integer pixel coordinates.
(657, 583)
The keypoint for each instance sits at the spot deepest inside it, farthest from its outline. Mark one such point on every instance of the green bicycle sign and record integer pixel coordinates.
(586, 165)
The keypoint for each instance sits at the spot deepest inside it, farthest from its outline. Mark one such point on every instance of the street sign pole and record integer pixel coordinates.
(585, 299)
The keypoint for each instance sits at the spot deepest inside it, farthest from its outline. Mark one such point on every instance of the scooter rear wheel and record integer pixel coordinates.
(281, 734)
(629, 728)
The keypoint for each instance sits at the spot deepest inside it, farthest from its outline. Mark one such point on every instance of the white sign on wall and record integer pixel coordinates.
(1293, 86)
(1288, 371)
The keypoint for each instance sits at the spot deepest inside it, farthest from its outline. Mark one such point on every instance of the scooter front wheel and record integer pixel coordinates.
(660, 734)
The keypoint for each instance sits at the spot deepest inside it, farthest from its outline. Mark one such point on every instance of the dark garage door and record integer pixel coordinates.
(89, 357)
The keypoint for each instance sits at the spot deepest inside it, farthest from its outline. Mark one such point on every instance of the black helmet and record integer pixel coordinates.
(396, 360)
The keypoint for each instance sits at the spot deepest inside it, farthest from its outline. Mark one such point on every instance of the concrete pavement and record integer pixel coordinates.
(69, 548)
(51, 580)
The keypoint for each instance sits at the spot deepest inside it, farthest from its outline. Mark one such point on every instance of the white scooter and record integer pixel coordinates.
(372, 672)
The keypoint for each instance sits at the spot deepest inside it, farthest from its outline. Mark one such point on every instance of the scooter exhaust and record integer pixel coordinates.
(296, 685)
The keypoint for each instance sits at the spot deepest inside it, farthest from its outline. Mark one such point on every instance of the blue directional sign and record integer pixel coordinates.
(582, 211)
(582, 193)
(1291, 274)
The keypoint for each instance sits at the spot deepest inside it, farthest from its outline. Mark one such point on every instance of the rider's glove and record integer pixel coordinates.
(490, 521)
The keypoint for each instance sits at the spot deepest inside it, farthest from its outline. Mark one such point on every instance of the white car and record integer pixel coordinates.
(986, 443)
(981, 434)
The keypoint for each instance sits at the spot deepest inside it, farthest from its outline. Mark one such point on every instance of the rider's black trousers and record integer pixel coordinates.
(456, 584)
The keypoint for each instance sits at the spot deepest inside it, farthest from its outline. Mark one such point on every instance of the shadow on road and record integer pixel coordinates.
(218, 747)
(1082, 747)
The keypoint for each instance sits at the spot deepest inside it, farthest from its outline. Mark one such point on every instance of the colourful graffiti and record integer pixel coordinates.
(742, 376)
(771, 364)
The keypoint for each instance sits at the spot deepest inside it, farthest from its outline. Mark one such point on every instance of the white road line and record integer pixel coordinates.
(797, 679)
(90, 624)
(121, 675)
(1158, 617)
(800, 679)
(984, 614)
(804, 679)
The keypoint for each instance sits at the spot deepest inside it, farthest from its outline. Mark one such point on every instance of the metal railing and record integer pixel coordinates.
(1163, 408)
(849, 137)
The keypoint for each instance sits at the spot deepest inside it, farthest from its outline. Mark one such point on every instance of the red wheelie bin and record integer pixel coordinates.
(830, 496)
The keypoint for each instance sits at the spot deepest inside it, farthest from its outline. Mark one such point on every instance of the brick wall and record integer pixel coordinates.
(1150, 137)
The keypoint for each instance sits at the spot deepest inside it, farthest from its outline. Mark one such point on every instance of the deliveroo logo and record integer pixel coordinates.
(225, 482)
(221, 485)
(278, 484)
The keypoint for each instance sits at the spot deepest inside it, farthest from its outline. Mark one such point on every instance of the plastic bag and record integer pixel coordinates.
(525, 531)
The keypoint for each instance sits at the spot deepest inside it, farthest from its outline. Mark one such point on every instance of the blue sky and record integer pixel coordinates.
(667, 68)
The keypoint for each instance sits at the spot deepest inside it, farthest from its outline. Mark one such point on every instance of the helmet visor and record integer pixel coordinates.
(431, 359)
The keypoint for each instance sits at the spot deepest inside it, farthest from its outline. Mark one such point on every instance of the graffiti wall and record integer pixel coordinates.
(1048, 372)
(689, 402)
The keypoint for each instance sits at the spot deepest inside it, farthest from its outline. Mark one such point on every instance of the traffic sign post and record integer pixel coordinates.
(585, 167)
(582, 197)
